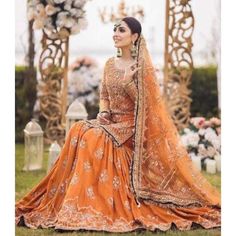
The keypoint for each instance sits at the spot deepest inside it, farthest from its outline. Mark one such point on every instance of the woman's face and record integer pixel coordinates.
(123, 36)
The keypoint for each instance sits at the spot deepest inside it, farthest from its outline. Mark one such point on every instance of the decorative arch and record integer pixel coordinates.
(178, 60)
(177, 71)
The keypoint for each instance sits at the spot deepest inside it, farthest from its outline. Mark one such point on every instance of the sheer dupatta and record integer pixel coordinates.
(161, 170)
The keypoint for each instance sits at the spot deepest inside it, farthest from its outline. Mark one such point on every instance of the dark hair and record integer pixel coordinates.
(133, 24)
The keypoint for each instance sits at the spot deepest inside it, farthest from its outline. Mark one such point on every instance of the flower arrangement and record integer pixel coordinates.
(83, 82)
(203, 138)
(59, 18)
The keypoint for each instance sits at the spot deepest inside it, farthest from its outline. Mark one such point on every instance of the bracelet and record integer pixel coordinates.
(105, 112)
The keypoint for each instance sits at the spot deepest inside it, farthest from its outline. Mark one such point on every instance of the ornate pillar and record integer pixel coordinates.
(178, 59)
(53, 67)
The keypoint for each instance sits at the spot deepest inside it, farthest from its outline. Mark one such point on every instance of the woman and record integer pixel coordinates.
(127, 169)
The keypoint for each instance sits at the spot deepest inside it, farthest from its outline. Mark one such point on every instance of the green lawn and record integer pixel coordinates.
(26, 180)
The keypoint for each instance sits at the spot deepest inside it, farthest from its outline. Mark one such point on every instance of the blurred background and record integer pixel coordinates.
(89, 50)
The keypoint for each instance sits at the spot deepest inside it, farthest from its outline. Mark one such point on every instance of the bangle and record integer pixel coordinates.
(105, 112)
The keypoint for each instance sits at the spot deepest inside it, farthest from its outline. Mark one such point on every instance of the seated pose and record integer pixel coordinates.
(126, 169)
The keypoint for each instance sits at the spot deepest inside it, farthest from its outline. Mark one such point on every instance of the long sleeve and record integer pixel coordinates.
(131, 89)
(104, 104)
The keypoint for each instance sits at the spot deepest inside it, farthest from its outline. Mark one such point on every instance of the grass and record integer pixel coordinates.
(25, 181)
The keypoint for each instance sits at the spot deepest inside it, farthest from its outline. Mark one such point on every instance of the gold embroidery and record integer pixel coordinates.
(99, 153)
(90, 192)
(87, 166)
(116, 182)
(118, 164)
(74, 141)
(75, 179)
(82, 143)
(103, 176)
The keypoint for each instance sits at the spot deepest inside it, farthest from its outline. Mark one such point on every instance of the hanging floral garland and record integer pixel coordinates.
(58, 18)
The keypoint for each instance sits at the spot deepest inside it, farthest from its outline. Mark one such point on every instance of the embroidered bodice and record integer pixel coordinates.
(118, 98)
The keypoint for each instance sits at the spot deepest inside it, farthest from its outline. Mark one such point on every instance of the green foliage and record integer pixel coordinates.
(25, 96)
(204, 92)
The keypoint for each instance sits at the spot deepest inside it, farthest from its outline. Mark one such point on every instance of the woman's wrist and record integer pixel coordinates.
(105, 111)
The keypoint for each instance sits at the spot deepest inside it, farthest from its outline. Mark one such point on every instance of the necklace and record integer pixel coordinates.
(121, 66)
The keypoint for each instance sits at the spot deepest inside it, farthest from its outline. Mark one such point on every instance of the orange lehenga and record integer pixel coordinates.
(98, 182)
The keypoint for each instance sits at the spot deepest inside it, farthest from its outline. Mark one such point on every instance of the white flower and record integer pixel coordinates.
(51, 2)
(185, 140)
(48, 23)
(216, 143)
(79, 13)
(61, 18)
(211, 151)
(34, 2)
(193, 139)
(201, 132)
(69, 22)
(73, 11)
(210, 134)
(67, 6)
(79, 3)
(59, 1)
(186, 130)
(202, 150)
(50, 10)
(75, 29)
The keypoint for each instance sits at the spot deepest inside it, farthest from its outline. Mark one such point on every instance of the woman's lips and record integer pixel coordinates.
(116, 40)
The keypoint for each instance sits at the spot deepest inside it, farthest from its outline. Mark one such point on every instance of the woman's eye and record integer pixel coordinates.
(122, 30)
(114, 29)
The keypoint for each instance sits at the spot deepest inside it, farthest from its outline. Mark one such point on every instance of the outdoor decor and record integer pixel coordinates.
(33, 146)
(54, 152)
(178, 60)
(76, 112)
(58, 20)
(123, 11)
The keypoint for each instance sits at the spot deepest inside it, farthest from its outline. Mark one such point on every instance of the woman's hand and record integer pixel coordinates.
(130, 71)
(104, 118)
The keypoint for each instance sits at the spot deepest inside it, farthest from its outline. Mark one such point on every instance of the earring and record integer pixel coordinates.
(119, 52)
(133, 51)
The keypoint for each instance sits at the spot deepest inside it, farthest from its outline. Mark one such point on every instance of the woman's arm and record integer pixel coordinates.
(130, 89)
(104, 104)
(104, 114)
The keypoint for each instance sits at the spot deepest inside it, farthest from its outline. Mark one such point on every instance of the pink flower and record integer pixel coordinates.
(198, 122)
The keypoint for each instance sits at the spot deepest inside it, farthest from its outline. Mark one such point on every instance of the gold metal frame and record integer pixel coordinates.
(178, 60)
(53, 67)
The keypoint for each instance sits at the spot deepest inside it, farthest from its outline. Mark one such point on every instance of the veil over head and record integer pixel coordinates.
(161, 171)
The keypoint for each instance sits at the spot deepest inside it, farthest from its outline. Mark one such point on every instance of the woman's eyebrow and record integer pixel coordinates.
(122, 27)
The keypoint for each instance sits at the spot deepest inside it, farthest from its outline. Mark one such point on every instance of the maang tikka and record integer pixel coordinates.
(133, 50)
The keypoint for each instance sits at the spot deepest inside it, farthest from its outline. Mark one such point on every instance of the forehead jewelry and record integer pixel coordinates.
(117, 24)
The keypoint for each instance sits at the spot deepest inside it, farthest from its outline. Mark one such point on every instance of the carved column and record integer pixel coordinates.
(53, 67)
(178, 60)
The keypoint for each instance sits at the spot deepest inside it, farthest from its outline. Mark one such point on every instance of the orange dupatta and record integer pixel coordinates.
(161, 170)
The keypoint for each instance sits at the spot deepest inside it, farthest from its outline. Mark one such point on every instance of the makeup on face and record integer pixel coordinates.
(120, 27)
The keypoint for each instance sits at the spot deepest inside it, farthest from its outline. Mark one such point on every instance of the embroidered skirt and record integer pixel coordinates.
(89, 188)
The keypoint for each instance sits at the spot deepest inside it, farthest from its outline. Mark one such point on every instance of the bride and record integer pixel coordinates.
(127, 169)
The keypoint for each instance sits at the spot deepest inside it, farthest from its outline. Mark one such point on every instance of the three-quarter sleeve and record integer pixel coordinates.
(104, 104)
